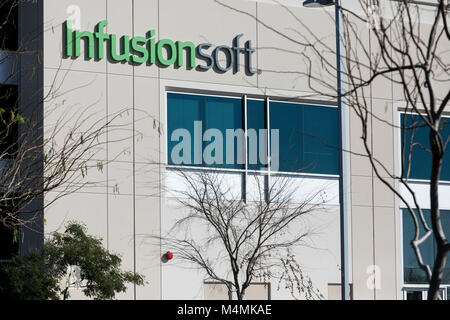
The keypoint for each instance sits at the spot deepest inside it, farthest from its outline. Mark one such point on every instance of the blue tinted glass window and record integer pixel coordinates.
(222, 114)
(320, 143)
(256, 145)
(416, 133)
(308, 137)
(412, 272)
(287, 118)
(445, 220)
(445, 129)
(209, 131)
(182, 112)
(197, 118)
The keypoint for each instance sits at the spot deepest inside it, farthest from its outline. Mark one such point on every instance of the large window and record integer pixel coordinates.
(8, 120)
(197, 128)
(210, 131)
(413, 274)
(308, 137)
(415, 134)
(257, 141)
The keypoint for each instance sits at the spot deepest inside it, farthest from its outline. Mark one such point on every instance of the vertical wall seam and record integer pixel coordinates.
(159, 169)
(372, 173)
(244, 125)
(107, 141)
(395, 200)
(134, 158)
(257, 46)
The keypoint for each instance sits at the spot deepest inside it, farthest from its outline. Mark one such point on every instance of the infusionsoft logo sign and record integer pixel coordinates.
(165, 52)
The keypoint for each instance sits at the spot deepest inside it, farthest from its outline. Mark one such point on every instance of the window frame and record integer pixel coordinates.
(243, 97)
(401, 112)
(415, 286)
(424, 290)
(397, 111)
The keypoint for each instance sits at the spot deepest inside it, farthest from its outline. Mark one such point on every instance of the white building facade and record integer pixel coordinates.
(225, 64)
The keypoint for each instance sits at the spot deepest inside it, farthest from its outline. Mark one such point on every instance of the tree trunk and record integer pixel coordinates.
(438, 271)
(65, 293)
(439, 236)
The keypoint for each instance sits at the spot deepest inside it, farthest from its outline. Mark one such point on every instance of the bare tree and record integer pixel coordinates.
(411, 54)
(413, 58)
(236, 242)
(298, 283)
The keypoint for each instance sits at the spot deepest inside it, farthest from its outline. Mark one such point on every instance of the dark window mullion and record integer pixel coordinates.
(244, 117)
(302, 129)
(267, 133)
(204, 126)
(245, 146)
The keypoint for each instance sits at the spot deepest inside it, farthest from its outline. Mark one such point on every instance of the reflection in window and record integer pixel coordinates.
(223, 128)
(197, 129)
(414, 295)
(303, 138)
(288, 118)
(413, 274)
(416, 134)
(308, 137)
(256, 126)
(320, 149)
